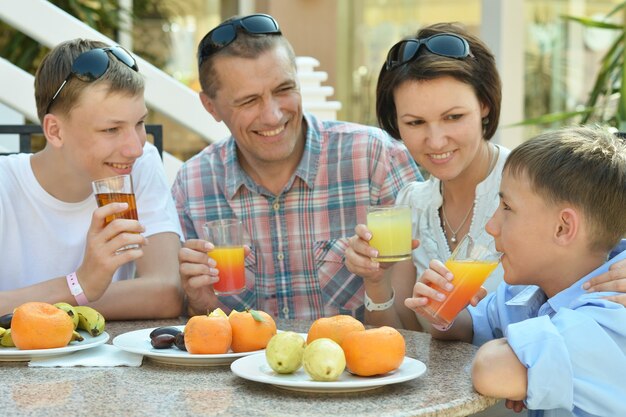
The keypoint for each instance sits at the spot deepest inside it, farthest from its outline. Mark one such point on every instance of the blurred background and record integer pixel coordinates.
(549, 52)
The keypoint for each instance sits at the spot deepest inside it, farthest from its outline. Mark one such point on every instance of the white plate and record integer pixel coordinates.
(138, 341)
(255, 368)
(14, 354)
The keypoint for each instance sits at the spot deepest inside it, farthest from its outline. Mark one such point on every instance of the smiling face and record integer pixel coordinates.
(440, 122)
(104, 133)
(259, 101)
(524, 227)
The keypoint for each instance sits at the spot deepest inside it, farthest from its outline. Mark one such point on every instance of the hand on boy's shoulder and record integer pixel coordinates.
(614, 280)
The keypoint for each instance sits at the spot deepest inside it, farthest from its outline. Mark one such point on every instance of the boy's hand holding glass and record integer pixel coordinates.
(118, 189)
(468, 267)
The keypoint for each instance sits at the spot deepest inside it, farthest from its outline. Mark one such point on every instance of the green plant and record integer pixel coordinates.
(610, 83)
(103, 15)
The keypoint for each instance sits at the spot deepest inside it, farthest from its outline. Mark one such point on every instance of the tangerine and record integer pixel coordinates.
(335, 328)
(374, 351)
(248, 333)
(37, 325)
(208, 335)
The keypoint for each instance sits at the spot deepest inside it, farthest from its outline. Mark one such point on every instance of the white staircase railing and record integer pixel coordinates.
(50, 26)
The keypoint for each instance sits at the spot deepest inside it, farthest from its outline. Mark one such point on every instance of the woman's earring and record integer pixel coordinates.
(485, 121)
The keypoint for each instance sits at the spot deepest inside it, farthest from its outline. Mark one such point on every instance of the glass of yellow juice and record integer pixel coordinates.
(470, 263)
(228, 237)
(390, 227)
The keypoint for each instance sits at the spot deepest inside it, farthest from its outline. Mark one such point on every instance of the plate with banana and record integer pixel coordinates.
(88, 333)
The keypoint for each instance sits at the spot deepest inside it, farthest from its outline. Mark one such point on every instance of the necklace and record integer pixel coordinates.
(453, 238)
(445, 219)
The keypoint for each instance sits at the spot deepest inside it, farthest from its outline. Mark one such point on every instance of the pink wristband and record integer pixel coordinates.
(76, 289)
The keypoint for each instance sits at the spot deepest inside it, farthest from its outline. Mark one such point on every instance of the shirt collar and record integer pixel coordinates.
(306, 169)
(574, 291)
(533, 295)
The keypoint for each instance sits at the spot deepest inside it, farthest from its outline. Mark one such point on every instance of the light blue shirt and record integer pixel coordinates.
(573, 344)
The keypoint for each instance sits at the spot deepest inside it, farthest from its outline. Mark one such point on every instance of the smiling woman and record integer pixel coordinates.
(443, 101)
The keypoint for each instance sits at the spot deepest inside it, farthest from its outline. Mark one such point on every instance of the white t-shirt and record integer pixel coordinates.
(425, 197)
(42, 237)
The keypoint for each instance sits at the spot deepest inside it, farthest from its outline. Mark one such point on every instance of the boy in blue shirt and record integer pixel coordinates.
(547, 344)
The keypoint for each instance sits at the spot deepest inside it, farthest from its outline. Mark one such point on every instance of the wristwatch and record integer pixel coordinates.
(372, 306)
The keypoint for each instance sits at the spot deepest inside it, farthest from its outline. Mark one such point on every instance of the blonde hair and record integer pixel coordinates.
(57, 64)
(581, 165)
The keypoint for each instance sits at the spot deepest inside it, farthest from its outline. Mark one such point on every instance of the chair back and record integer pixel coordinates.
(26, 133)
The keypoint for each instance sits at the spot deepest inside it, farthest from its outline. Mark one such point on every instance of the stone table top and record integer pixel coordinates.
(171, 390)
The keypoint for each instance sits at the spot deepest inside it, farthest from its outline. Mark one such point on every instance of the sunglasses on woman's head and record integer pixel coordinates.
(224, 34)
(444, 44)
(93, 64)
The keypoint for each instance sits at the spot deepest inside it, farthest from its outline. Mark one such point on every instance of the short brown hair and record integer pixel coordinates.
(57, 64)
(581, 165)
(479, 72)
(245, 45)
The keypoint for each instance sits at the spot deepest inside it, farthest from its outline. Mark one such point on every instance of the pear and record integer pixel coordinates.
(284, 352)
(324, 360)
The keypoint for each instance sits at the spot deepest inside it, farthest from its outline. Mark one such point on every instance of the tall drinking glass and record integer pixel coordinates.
(470, 263)
(391, 232)
(228, 237)
(118, 189)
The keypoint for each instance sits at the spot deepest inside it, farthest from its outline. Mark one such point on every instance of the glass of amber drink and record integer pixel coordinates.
(470, 263)
(118, 189)
(227, 236)
(390, 227)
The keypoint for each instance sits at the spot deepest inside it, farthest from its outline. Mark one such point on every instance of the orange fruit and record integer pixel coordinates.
(335, 328)
(248, 333)
(37, 325)
(208, 335)
(374, 351)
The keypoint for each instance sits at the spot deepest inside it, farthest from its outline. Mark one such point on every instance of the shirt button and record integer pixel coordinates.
(276, 206)
(280, 256)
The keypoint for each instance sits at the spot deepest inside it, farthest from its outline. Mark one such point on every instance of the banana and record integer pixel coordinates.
(2, 332)
(90, 320)
(70, 310)
(76, 337)
(7, 340)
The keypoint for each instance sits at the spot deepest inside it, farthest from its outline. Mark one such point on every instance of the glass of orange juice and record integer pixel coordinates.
(227, 236)
(470, 263)
(390, 227)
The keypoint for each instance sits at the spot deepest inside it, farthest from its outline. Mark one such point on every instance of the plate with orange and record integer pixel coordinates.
(15, 354)
(256, 368)
(138, 341)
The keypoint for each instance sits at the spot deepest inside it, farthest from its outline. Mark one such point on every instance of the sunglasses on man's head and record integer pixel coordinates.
(93, 64)
(444, 44)
(224, 34)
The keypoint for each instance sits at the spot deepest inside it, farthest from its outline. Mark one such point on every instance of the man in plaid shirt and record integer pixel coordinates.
(298, 184)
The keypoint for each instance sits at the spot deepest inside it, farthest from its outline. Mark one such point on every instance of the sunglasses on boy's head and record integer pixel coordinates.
(444, 44)
(226, 33)
(93, 64)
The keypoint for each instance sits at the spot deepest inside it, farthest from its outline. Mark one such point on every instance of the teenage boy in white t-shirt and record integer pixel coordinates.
(54, 245)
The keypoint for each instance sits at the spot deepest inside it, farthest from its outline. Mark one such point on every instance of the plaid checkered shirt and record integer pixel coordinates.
(296, 267)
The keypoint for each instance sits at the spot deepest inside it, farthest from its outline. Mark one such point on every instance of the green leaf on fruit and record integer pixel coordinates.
(256, 316)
